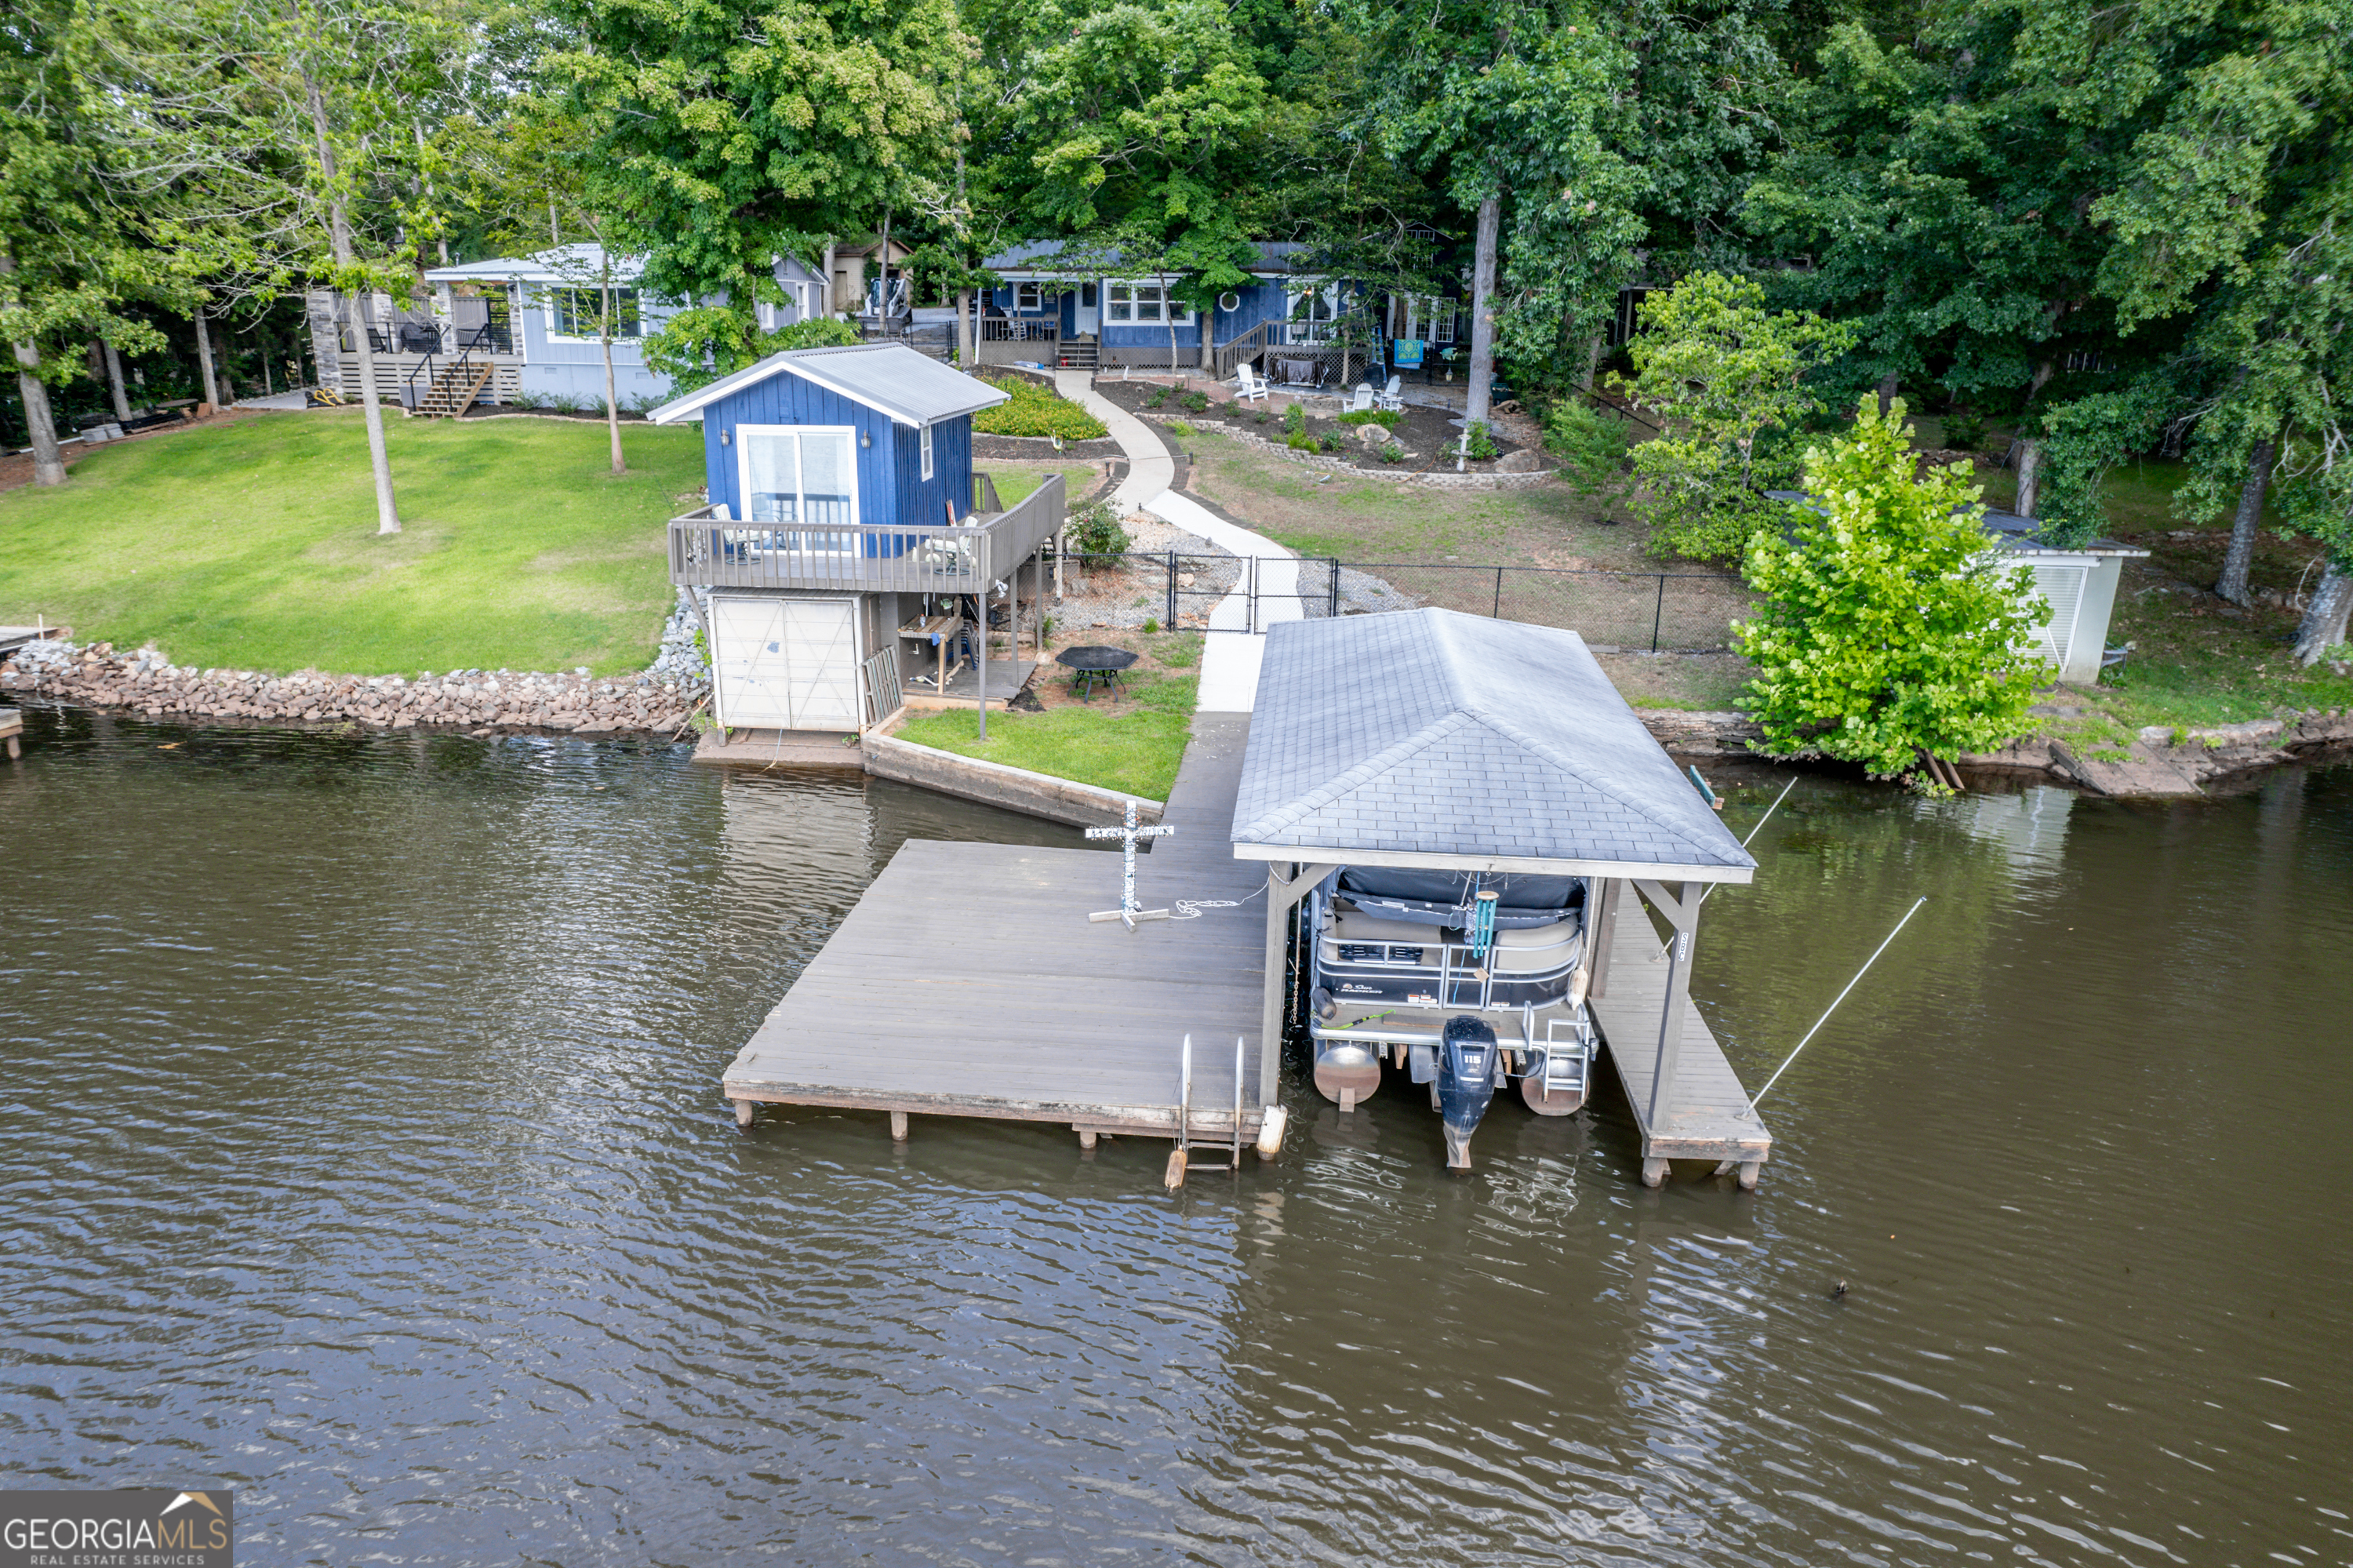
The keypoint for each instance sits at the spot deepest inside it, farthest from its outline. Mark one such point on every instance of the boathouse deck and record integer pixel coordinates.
(1711, 1119)
(969, 981)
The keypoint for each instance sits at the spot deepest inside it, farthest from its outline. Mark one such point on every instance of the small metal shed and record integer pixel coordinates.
(1444, 742)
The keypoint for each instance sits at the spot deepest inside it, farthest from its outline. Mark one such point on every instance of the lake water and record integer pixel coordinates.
(361, 1149)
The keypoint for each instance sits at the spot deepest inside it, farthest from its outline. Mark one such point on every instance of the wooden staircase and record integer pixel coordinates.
(1077, 353)
(454, 388)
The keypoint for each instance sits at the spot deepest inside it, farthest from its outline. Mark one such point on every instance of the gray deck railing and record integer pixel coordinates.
(709, 551)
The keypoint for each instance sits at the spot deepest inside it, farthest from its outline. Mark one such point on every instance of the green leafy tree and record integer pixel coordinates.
(68, 252)
(723, 134)
(1889, 627)
(1504, 102)
(1722, 371)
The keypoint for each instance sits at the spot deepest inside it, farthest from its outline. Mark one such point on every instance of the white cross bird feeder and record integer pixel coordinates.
(1127, 911)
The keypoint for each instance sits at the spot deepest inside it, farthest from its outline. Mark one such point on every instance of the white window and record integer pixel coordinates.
(1314, 313)
(803, 474)
(926, 440)
(578, 314)
(1126, 300)
(1025, 297)
(1421, 316)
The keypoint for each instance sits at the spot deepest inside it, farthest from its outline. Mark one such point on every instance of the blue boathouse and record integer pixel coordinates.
(846, 533)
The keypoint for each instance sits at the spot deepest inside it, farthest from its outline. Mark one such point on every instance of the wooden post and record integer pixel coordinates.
(1684, 912)
(1282, 894)
(897, 1127)
(1601, 926)
(1279, 901)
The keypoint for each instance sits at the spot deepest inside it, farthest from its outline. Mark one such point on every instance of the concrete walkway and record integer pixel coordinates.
(1233, 647)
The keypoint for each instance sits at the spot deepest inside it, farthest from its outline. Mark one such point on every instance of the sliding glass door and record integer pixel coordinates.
(803, 478)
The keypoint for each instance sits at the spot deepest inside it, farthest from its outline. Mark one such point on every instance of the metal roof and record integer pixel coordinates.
(1429, 738)
(1058, 257)
(2012, 531)
(888, 377)
(576, 264)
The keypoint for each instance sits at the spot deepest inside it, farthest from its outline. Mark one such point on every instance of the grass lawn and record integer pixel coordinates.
(1015, 481)
(1133, 742)
(254, 545)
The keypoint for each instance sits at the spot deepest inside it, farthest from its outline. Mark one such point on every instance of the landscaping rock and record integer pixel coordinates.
(476, 701)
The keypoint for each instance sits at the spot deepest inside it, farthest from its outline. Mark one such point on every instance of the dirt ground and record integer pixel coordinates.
(16, 469)
(1425, 436)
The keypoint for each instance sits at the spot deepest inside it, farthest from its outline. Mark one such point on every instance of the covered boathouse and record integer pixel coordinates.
(852, 558)
(1462, 820)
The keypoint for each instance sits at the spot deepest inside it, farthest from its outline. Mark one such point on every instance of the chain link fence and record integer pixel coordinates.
(1660, 612)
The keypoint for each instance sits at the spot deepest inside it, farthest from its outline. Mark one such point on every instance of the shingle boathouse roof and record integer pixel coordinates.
(1433, 738)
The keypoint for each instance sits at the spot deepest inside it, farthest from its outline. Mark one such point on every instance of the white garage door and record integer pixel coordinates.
(785, 663)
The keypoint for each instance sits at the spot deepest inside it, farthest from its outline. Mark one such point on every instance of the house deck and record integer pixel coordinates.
(1711, 1119)
(970, 981)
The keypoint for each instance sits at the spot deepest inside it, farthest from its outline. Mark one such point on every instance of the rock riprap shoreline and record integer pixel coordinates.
(145, 682)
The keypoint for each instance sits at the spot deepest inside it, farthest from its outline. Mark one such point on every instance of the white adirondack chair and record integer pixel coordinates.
(1361, 402)
(1252, 389)
(1392, 395)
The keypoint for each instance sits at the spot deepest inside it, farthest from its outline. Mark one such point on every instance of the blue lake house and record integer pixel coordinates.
(1052, 308)
(846, 533)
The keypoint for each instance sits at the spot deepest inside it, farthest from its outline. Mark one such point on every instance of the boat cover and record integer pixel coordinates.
(1443, 897)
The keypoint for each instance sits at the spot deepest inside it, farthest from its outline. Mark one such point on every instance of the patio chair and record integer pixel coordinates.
(1361, 402)
(1392, 395)
(1252, 389)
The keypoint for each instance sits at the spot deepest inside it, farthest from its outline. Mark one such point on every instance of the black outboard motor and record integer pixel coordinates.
(1466, 1082)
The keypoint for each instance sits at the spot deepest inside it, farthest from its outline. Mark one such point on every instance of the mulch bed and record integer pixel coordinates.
(1428, 434)
(1039, 450)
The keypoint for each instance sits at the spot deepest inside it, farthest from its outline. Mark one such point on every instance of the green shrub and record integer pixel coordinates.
(1179, 427)
(1330, 442)
(1261, 415)
(1295, 419)
(1152, 625)
(528, 400)
(1036, 410)
(1887, 625)
(1195, 401)
(1386, 419)
(1393, 453)
(1095, 530)
(1301, 441)
(1160, 396)
(1482, 442)
(565, 403)
(1963, 430)
(1591, 446)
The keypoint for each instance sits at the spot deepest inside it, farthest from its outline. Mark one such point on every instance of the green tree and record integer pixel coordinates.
(68, 252)
(722, 134)
(1722, 371)
(1504, 102)
(1889, 628)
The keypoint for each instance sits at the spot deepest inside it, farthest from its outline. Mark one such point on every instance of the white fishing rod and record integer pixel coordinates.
(1759, 828)
(1825, 1018)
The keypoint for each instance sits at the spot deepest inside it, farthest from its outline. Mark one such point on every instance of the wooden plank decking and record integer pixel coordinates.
(1710, 1118)
(968, 981)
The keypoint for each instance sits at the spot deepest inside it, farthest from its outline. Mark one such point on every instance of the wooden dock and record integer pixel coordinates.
(1709, 1118)
(970, 981)
(12, 726)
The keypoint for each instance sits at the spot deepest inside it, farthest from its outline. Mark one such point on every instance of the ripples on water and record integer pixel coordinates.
(361, 1149)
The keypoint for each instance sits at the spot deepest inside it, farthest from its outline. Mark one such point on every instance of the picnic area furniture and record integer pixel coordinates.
(1360, 401)
(1252, 389)
(1092, 664)
(1392, 395)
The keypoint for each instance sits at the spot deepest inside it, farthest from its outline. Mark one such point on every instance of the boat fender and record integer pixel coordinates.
(1424, 1061)
(1321, 1001)
(1269, 1132)
(1577, 983)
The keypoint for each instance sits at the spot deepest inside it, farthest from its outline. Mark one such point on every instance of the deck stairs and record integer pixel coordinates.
(1078, 354)
(454, 388)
